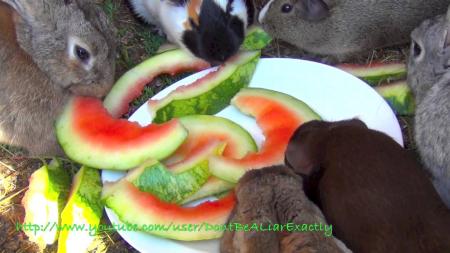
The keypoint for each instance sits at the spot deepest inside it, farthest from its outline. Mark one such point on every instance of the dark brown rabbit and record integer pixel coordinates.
(51, 50)
(373, 191)
(274, 195)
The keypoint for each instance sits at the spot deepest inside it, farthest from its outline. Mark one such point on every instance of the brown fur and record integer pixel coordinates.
(274, 196)
(36, 76)
(374, 192)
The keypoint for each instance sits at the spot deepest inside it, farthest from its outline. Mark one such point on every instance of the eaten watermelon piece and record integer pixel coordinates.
(172, 185)
(135, 207)
(131, 84)
(278, 115)
(377, 72)
(89, 135)
(399, 96)
(209, 94)
(44, 201)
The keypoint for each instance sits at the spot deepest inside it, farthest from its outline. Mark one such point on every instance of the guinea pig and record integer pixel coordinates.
(341, 29)
(374, 192)
(210, 29)
(274, 196)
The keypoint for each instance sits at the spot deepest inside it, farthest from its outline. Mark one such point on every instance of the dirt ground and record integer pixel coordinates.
(137, 42)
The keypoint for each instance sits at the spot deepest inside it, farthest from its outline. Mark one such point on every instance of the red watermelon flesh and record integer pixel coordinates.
(278, 115)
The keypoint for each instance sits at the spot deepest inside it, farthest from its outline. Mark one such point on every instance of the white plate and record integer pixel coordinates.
(332, 93)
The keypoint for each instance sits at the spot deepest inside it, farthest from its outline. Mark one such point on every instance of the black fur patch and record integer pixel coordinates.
(218, 36)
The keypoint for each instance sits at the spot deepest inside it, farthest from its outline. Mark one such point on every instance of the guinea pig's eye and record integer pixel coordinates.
(286, 8)
(416, 49)
(82, 53)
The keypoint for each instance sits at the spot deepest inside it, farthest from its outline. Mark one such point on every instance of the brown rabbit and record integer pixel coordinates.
(274, 195)
(50, 51)
(373, 191)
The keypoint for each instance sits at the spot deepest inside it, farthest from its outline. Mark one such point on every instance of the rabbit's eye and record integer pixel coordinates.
(417, 50)
(82, 53)
(286, 8)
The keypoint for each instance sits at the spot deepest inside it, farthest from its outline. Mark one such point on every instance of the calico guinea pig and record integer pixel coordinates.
(210, 29)
(373, 191)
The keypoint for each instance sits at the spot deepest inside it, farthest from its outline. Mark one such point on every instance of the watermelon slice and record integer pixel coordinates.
(82, 213)
(209, 94)
(44, 201)
(212, 187)
(131, 84)
(278, 115)
(375, 73)
(399, 97)
(89, 135)
(174, 222)
(256, 39)
(174, 186)
(202, 129)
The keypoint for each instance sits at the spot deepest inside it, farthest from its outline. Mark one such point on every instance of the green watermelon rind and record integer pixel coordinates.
(83, 207)
(232, 172)
(79, 149)
(211, 97)
(55, 183)
(376, 73)
(399, 97)
(256, 39)
(212, 187)
(206, 123)
(168, 61)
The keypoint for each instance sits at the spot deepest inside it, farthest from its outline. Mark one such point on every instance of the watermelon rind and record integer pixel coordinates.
(212, 187)
(130, 85)
(174, 186)
(100, 156)
(44, 201)
(232, 170)
(82, 213)
(141, 209)
(376, 73)
(210, 94)
(256, 39)
(399, 97)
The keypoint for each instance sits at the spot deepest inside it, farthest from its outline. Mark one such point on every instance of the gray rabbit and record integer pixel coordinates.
(340, 29)
(429, 78)
(50, 50)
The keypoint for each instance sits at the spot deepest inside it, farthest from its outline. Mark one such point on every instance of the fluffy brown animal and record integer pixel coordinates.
(373, 191)
(274, 195)
(50, 50)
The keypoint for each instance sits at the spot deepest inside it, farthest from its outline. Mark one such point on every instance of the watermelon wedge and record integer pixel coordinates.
(212, 187)
(82, 213)
(209, 94)
(278, 115)
(175, 186)
(174, 222)
(131, 84)
(90, 136)
(256, 39)
(44, 201)
(376, 73)
(399, 97)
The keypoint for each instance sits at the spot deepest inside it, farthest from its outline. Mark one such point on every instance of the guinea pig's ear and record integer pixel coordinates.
(313, 10)
(306, 147)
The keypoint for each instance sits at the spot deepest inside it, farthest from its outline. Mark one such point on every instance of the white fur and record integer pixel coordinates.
(240, 9)
(149, 10)
(172, 21)
(264, 11)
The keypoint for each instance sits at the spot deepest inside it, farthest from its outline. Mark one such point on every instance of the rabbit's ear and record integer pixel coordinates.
(313, 10)
(447, 35)
(32, 11)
